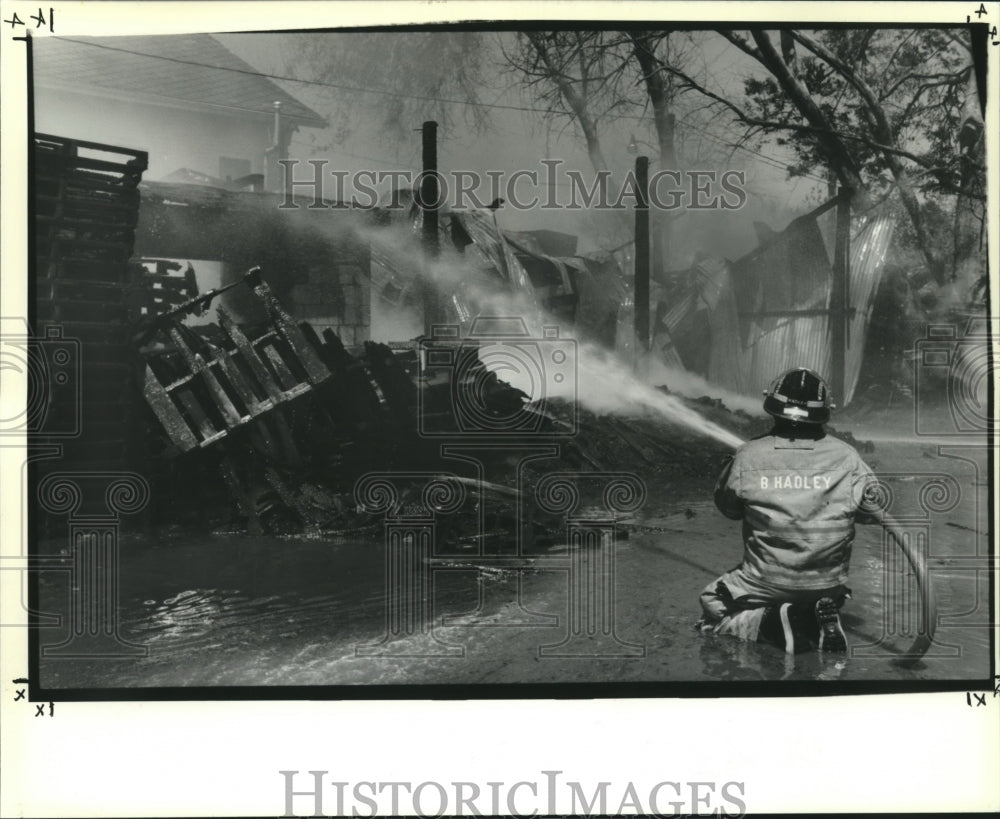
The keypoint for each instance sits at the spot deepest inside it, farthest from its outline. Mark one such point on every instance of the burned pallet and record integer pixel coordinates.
(206, 391)
(162, 285)
(85, 192)
(112, 163)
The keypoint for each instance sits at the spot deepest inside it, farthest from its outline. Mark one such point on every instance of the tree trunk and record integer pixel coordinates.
(969, 261)
(589, 128)
(659, 95)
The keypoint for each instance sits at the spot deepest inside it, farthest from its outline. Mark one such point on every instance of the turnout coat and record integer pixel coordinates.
(798, 499)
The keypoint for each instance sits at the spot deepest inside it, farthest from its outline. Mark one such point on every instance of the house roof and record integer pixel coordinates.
(195, 69)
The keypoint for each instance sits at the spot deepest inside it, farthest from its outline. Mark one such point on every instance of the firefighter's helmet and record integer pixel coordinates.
(799, 395)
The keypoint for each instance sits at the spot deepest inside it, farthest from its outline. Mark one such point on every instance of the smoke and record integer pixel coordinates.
(693, 385)
(603, 383)
(606, 384)
(390, 322)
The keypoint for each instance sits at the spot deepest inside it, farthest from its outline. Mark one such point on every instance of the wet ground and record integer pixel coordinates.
(236, 610)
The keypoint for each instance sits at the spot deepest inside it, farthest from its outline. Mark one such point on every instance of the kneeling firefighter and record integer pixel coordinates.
(798, 492)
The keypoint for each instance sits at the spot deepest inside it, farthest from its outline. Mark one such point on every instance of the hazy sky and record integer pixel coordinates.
(516, 139)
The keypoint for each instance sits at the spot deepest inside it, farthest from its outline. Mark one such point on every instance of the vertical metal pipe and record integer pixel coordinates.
(641, 288)
(840, 298)
(273, 153)
(429, 195)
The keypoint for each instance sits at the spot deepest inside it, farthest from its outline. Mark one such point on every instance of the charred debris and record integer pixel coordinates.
(288, 420)
(258, 404)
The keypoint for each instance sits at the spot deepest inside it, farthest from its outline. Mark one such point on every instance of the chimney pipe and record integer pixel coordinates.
(271, 153)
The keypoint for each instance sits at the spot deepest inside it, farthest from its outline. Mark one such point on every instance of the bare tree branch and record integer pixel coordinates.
(576, 101)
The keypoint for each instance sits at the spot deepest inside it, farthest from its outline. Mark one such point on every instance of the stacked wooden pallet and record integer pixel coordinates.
(86, 202)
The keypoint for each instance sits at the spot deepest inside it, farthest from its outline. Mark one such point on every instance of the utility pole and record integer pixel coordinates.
(641, 287)
(840, 298)
(661, 222)
(429, 204)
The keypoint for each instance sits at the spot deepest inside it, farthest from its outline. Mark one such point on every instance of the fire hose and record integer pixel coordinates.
(925, 637)
(928, 603)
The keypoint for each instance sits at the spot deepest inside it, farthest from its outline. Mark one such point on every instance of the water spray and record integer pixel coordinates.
(609, 385)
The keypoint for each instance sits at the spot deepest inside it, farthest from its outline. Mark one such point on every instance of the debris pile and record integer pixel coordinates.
(289, 419)
(261, 420)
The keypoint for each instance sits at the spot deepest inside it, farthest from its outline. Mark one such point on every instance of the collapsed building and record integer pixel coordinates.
(738, 323)
(262, 399)
(268, 381)
(176, 363)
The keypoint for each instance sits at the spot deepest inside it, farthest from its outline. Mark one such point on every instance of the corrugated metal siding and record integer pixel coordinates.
(868, 251)
(783, 343)
(792, 272)
(725, 363)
